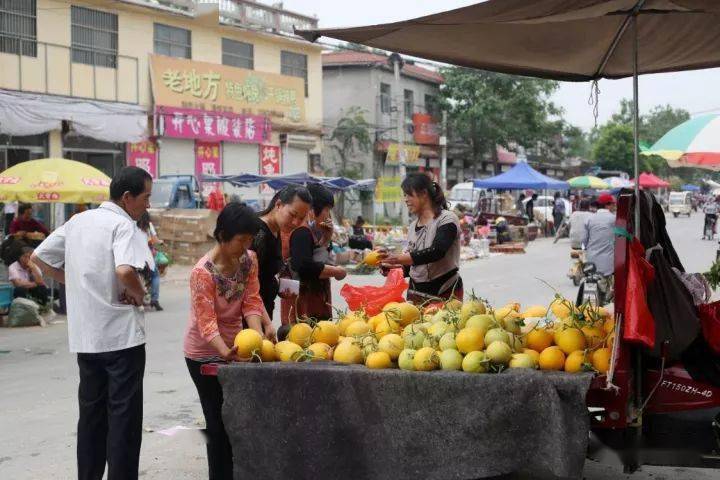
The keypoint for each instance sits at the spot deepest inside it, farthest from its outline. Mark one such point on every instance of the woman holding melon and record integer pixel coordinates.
(310, 261)
(432, 259)
(224, 291)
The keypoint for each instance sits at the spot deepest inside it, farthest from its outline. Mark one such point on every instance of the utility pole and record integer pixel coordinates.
(397, 62)
(443, 157)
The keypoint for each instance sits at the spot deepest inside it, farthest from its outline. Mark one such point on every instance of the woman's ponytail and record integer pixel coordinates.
(438, 198)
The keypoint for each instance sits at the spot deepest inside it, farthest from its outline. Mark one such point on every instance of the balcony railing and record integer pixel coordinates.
(249, 14)
(40, 67)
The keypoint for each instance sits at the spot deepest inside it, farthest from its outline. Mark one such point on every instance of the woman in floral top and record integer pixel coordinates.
(224, 291)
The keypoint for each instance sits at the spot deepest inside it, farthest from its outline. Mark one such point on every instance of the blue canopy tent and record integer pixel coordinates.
(690, 188)
(520, 177)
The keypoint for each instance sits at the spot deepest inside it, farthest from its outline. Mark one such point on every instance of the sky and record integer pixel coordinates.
(697, 91)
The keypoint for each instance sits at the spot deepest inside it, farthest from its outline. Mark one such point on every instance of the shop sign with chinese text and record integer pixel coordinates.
(212, 126)
(425, 130)
(387, 190)
(408, 153)
(205, 86)
(208, 161)
(143, 155)
(269, 163)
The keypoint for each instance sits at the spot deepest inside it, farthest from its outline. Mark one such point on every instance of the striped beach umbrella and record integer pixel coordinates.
(588, 181)
(695, 143)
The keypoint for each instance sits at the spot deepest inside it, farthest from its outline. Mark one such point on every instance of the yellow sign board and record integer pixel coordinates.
(388, 190)
(182, 83)
(395, 154)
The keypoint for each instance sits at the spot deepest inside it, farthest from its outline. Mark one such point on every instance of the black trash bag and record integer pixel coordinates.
(701, 362)
(671, 304)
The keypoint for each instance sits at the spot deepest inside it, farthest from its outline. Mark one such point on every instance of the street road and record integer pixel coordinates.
(39, 376)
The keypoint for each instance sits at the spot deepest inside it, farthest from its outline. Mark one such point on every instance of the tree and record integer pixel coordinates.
(610, 145)
(613, 149)
(487, 109)
(350, 136)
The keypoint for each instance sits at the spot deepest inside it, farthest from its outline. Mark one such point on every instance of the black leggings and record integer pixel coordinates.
(219, 450)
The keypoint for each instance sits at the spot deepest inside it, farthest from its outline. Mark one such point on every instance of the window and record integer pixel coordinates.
(94, 37)
(295, 65)
(18, 27)
(409, 97)
(172, 41)
(385, 96)
(237, 54)
(431, 105)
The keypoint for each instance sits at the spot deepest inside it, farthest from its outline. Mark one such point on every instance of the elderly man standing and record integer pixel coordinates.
(96, 255)
(599, 240)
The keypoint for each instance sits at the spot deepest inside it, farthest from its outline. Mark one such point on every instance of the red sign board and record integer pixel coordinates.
(269, 163)
(143, 155)
(425, 130)
(207, 162)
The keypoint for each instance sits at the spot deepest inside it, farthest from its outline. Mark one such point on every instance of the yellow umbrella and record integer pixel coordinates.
(54, 180)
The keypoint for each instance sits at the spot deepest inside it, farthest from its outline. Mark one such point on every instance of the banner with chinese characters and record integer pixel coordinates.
(207, 162)
(387, 190)
(212, 126)
(269, 164)
(409, 153)
(425, 130)
(143, 155)
(182, 83)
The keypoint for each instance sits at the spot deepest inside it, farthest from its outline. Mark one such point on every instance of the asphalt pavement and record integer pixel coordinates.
(39, 376)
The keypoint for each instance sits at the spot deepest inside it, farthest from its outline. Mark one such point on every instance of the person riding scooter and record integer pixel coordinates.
(599, 241)
(711, 214)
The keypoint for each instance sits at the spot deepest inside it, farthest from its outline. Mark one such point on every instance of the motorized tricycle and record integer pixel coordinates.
(650, 410)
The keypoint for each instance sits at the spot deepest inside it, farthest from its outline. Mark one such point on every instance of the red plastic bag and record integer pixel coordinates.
(373, 299)
(639, 322)
(710, 322)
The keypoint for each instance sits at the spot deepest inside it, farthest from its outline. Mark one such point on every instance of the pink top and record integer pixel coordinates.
(219, 303)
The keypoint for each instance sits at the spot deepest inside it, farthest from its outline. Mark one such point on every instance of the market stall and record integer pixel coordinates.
(329, 421)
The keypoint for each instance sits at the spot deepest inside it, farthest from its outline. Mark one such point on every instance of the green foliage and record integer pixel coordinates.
(487, 109)
(612, 143)
(613, 149)
(352, 133)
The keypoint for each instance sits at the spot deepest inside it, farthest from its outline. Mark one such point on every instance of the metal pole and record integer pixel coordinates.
(443, 159)
(400, 104)
(636, 127)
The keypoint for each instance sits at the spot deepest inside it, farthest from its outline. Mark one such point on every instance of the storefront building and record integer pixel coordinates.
(177, 87)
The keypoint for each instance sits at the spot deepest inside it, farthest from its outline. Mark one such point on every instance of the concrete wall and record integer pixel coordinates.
(135, 40)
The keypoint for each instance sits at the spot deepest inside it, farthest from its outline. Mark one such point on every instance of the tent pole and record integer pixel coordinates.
(636, 127)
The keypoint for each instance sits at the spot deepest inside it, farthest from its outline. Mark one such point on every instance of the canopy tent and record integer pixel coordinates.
(649, 180)
(694, 143)
(521, 176)
(690, 188)
(559, 40)
(277, 182)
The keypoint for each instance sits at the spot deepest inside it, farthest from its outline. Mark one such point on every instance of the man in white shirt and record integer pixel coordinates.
(96, 255)
(10, 209)
(577, 224)
(599, 236)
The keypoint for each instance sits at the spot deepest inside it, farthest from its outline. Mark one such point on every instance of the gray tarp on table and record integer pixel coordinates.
(330, 421)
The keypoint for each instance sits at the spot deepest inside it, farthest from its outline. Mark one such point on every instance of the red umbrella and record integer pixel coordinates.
(649, 180)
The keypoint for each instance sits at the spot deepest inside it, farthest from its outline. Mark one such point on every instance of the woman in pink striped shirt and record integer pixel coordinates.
(224, 291)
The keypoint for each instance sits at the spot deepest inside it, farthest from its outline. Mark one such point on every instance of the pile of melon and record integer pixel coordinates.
(470, 337)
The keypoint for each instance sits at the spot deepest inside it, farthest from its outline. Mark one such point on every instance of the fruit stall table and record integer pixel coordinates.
(324, 420)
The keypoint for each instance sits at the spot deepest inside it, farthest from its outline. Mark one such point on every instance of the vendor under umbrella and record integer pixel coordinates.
(432, 260)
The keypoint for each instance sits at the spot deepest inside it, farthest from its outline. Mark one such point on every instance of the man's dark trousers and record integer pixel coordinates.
(110, 425)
